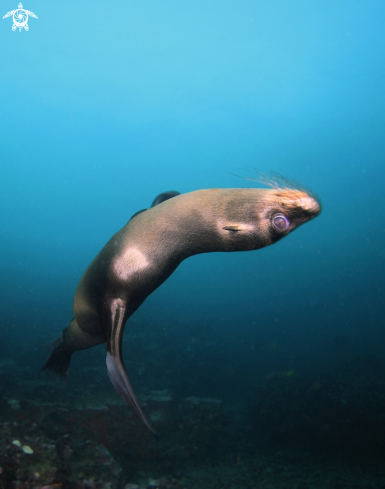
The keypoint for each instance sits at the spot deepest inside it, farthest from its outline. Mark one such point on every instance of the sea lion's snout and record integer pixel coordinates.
(310, 204)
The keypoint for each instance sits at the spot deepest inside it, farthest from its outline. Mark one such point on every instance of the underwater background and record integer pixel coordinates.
(107, 104)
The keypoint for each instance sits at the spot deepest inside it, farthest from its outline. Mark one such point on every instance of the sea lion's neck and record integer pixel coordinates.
(198, 222)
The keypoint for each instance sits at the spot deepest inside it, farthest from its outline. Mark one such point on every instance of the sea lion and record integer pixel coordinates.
(158, 200)
(164, 196)
(147, 250)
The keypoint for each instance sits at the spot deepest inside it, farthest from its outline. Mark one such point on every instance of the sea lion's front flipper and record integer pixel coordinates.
(164, 196)
(115, 367)
(117, 374)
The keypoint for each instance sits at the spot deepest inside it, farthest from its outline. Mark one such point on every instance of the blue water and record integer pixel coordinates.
(106, 104)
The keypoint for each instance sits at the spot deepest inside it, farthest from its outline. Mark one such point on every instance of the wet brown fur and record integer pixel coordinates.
(145, 252)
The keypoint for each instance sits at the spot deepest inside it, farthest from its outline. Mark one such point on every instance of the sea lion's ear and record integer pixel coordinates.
(235, 228)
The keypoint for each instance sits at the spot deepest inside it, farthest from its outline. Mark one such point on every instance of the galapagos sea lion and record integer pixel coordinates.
(158, 200)
(164, 196)
(147, 250)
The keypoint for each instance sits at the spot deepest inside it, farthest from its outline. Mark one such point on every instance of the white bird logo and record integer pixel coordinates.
(20, 17)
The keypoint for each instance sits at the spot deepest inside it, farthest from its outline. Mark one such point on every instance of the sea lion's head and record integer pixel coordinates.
(284, 210)
(260, 217)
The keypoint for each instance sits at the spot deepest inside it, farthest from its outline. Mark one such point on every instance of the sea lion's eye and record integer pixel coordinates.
(281, 222)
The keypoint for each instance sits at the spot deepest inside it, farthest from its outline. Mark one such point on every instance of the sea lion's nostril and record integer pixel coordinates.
(281, 222)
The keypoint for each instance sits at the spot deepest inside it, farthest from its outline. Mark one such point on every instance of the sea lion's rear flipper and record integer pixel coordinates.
(115, 367)
(59, 360)
(73, 338)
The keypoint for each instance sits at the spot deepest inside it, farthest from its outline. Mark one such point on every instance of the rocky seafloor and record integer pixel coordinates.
(324, 430)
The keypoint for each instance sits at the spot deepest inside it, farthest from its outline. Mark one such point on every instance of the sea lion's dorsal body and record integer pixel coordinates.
(158, 200)
(145, 252)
